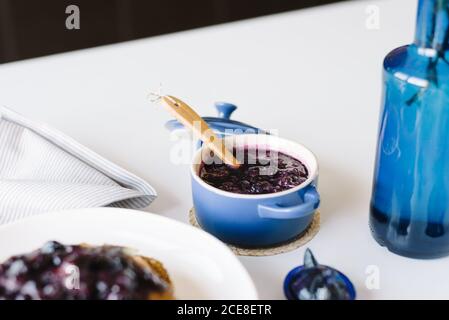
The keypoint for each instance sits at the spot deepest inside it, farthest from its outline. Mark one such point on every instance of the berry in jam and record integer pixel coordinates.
(79, 272)
(262, 171)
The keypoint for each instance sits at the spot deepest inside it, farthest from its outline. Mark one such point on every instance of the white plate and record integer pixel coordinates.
(200, 266)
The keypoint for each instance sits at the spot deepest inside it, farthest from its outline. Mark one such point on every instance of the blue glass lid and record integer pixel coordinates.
(222, 124)
(313, 281)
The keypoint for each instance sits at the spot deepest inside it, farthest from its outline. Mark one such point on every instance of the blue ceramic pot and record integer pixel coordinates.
(257, 220)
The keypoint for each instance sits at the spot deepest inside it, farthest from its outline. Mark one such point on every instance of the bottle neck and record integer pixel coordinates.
(432, 26)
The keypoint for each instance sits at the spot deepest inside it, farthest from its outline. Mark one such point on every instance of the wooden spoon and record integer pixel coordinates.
(191, 120)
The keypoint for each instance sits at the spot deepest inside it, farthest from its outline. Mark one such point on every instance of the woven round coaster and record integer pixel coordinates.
(290, 245)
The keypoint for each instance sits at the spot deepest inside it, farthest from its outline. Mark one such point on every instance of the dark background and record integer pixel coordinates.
(32, 28)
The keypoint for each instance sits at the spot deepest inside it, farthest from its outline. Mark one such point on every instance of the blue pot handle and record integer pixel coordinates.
(308, 207)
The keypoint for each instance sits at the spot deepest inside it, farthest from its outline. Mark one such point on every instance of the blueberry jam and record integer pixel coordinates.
(78, 272)
(262, 171)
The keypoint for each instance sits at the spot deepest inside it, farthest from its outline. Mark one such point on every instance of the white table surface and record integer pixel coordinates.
(315, 75)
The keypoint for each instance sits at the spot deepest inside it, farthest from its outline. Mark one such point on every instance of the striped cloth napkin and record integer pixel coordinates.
(42, 170)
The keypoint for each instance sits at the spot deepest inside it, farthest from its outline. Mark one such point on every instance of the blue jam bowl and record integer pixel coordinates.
(256, 220)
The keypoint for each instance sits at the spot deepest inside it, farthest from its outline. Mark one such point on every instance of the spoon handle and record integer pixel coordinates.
(191, 120)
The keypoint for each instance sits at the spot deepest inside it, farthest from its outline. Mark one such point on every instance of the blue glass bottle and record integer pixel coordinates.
(410, 200)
